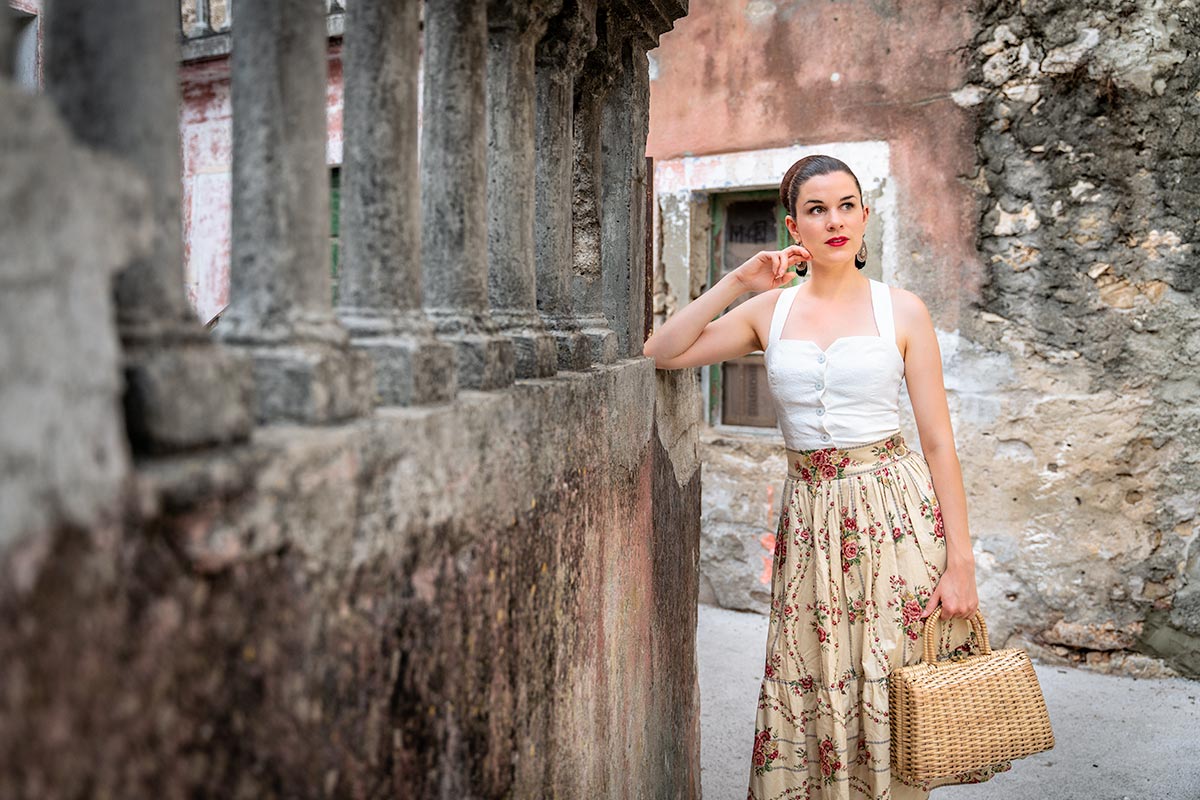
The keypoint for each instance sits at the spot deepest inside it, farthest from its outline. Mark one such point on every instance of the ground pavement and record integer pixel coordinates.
(1116, 738)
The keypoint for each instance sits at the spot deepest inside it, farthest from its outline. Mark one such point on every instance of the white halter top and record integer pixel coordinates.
(845, 395)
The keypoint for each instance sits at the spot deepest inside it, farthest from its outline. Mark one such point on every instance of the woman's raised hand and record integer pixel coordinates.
(771, 268)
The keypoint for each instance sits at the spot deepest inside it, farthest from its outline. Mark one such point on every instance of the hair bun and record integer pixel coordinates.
(810, 167)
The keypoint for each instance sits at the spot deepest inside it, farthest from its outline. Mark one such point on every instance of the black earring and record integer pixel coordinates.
(860, 258)
(802, 268)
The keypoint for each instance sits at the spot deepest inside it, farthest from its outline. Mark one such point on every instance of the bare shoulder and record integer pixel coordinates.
(759, 310)
(908, 305)
(911, 317)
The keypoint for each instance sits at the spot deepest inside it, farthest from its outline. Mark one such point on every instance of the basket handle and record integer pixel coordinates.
(931, 640)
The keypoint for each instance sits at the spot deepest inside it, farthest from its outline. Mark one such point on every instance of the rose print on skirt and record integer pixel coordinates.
(764, 751)
(859, 548)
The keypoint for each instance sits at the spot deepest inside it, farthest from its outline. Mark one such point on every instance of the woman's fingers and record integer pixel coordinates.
(798, 252)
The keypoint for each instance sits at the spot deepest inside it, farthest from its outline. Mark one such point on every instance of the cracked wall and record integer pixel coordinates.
(1088, 140)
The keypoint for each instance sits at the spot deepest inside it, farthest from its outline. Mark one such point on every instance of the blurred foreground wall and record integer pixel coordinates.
(435, 539)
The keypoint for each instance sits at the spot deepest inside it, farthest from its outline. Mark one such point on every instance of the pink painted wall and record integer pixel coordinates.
(206, 129)
(749, 75)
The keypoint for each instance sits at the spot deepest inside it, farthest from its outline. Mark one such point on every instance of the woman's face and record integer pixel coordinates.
(829, 206)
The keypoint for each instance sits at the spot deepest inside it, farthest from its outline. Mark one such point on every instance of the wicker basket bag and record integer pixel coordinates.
(950, 717)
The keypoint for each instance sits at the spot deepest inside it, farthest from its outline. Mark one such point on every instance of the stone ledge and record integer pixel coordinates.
(477, 463)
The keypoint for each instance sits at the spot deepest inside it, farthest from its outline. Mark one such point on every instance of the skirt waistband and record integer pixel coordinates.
(831, 463)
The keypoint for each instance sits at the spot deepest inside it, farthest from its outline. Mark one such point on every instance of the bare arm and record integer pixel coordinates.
(693, 338)
(927, 389)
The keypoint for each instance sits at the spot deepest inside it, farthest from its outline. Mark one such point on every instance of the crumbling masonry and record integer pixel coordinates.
(436, 540)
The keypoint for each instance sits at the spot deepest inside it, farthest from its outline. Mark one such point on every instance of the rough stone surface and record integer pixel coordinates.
(454, 193)
(418, 602)
(280, 272)
(281, 307)
(379, 276)
(64, 458)
(493, 596)
(587, 286)
(1085, 341)
(742, 499)
(180, 390)
(514, 29)
(623, 196)
(558, 58)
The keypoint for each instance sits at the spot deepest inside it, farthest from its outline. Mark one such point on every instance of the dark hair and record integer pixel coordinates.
(809, 167)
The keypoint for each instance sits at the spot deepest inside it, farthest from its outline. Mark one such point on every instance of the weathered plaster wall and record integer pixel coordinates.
(1086, 332)
(1046, 216)
(745, 76)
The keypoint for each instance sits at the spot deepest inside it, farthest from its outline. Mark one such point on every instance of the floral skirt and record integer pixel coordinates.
(859, 550)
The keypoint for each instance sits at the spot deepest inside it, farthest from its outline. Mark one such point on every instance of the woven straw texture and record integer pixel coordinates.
(952, 716)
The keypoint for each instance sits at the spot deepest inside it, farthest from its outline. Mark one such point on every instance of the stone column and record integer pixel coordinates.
(112, 70)
(624, 127)
(6, 33)
(587, 285)
(611, 126)
(454, 193)
(379, 280)
(560, 55)
(281, 308)
(514, 27)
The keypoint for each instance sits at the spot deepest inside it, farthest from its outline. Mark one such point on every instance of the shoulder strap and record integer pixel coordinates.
(783, 304)
(881, 301)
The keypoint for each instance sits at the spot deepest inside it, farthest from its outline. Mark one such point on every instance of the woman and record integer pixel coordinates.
(865, 547)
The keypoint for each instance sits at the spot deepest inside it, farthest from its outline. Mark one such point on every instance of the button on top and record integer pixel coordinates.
(821, 358)
(824, 437)
(819, 385)
(820, 411)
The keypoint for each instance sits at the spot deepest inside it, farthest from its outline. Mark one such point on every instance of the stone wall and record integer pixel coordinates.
(1040, 156)
(1087, 325)
(381, 549)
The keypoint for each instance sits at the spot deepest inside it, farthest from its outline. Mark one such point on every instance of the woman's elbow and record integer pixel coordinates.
(660, 362)
(650, 351)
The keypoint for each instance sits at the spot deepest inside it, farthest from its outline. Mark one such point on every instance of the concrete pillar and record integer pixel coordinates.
(514, 27)
(379, 280)
(587, 285)
(560, 55)
(112, 70)
(6, 33)
(625, 121)
(281, 308)
(454, 193)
